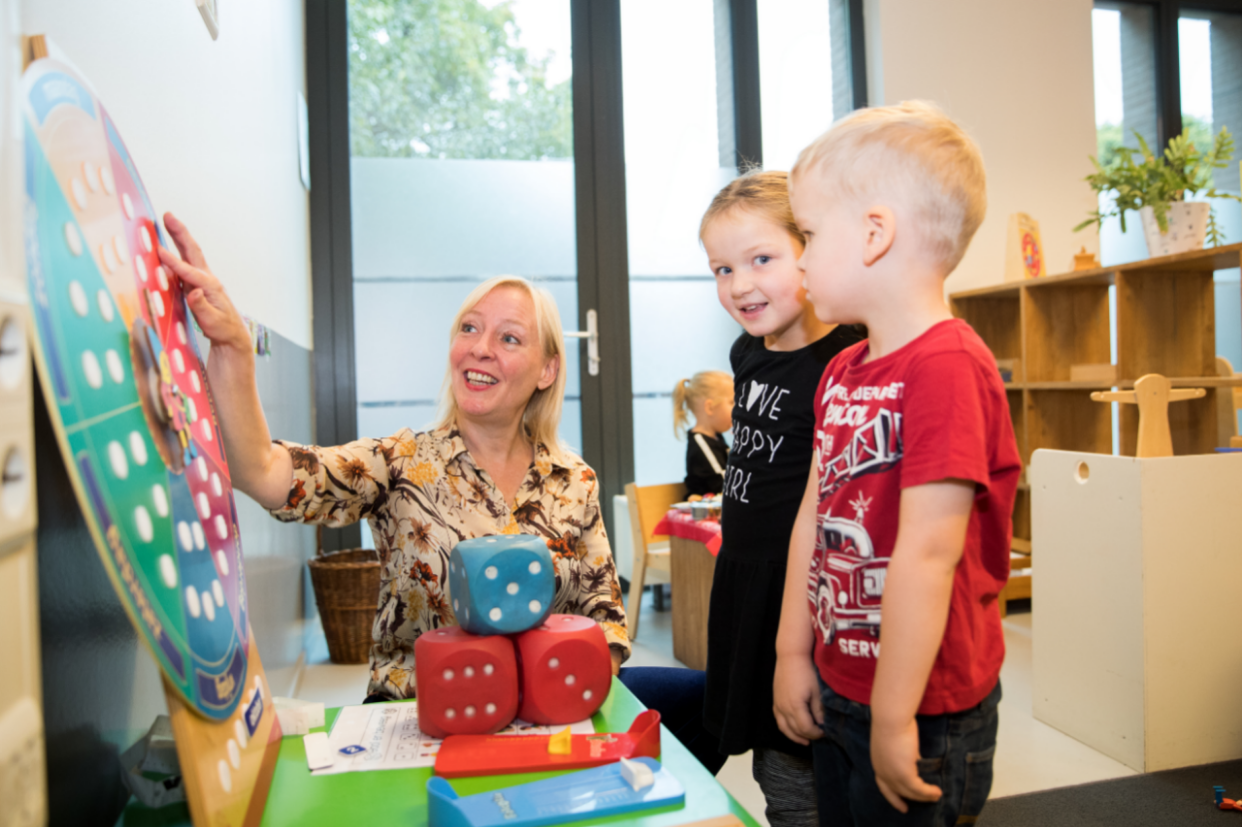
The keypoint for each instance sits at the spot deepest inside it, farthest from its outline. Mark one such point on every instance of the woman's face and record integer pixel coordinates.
(496, 358)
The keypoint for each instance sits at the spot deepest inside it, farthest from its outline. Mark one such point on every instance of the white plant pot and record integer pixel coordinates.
(1187, 228)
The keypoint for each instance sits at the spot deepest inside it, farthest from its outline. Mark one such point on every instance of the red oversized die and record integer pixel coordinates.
(566, 670)
(467, 684)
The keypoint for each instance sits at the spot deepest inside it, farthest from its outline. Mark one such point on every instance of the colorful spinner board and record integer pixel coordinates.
(125, 384)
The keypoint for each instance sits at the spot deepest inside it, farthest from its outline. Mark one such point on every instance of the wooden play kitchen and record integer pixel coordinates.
(1052, 335)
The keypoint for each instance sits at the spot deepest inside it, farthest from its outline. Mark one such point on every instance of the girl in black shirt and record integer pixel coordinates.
(708, 396)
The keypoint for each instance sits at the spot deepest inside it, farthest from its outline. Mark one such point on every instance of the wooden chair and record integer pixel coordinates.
(652, 561)
(1228, 402)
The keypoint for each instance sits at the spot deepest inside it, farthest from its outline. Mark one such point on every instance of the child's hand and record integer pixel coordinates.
(895, 759)
(795, 699)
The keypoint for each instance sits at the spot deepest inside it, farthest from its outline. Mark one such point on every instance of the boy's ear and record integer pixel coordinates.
(881, 229)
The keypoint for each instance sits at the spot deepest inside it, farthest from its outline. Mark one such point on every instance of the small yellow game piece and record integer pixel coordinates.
(559, 744)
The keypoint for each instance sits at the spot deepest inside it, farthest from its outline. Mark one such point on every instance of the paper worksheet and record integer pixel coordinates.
(387, 737)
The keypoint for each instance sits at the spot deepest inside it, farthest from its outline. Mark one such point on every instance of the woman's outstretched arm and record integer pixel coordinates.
(259, 467)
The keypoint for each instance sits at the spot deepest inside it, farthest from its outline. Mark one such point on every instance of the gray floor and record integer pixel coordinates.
(1030, 755)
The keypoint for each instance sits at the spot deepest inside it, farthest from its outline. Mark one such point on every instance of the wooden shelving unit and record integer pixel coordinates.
(1165, 316)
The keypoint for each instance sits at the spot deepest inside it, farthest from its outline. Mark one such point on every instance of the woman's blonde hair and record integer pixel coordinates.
(542, 417)
(690, 393)
(765, 194)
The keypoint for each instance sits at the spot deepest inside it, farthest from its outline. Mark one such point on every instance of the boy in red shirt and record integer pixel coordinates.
(906, 515)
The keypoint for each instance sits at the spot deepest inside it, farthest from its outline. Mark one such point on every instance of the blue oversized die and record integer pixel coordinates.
(501, 585)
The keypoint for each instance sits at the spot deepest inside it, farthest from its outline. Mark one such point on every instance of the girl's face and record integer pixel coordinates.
(758, 282)
(496, 359)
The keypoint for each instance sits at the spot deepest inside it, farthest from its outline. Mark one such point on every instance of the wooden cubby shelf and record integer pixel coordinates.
(1164, 314)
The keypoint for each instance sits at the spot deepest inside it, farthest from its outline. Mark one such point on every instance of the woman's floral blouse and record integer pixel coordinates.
(423, 494)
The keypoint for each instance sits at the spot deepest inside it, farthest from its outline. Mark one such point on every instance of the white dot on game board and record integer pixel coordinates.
(116, 457)
(448, 674)
(105, 305)
(200, 465)
(217, 592)
(147, 244)
(199, 540)
(468, 671)
(183, 533)
(536, 606)
(240, 731)
(178, 360)
(469, 710)
(77, 298)
(554, 663)
(140, 267)
(206, 429)
(234, 754)
(160, 500)
(142, 521)
(181, 332)
(222, 563)
(161, 278)
(488, 669)
(490, 572)
(226, 777)
(209, 607)
(194, 383)
(191, 410)
(73, 238)
(90, 172)
(217, 487)
(191, 602)
(108, 256)
(127, 204)
(222, 527)
(512, 588)
(168, 571)
(490, 709)
(534, 567)
(157, 300)
(569, 680)
(105, 178)
(450, 713)
(204, 505)
(120, 248)
(137, 448)
(586, 694)
(494, 614)
(79, 192)
(115, 369)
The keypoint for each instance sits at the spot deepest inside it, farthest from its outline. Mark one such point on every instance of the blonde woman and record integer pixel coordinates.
(492, 465)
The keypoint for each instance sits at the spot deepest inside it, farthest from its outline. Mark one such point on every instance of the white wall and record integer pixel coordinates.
(212, 127)
(1018, 76)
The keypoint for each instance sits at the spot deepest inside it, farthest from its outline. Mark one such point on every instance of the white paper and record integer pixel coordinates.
(391, 740)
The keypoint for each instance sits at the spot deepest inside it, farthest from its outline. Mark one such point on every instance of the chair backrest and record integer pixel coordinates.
(1227, 402)
(648, 505)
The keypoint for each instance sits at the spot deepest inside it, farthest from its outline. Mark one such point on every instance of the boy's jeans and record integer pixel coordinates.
(956, 752)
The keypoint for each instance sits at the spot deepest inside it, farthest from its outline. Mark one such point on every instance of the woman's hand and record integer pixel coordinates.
(212, 308)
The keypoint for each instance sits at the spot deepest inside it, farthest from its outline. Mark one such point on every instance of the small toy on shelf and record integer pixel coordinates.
(587, 795)
(1225, 803)
(461, 756)
(1152, 393)
(1085, 261)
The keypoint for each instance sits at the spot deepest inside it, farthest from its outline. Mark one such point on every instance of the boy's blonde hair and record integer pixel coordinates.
(690, 393)
(765, 194)
(912, 149)
(542, 417)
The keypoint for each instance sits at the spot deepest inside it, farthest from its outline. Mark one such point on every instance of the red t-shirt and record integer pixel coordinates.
(932, 410)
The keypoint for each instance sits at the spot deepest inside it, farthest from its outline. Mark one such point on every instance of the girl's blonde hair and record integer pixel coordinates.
(542, 417)
(765, 194)
(690, 393)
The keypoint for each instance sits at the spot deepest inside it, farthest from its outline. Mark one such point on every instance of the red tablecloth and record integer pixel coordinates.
(681, 524)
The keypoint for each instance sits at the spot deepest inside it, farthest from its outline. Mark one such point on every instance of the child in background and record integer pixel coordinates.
(912, 489)
(708, 396)
(753, 246)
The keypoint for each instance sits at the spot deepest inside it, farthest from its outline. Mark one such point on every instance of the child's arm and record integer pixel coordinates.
(917, 591)
(795, 690)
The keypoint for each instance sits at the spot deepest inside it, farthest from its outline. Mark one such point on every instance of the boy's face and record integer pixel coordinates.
(832, 261)
(755, 262)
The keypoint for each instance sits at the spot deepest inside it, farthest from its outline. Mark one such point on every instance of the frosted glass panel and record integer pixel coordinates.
(795, 77)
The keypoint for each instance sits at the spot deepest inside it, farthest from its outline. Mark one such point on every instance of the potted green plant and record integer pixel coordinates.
(1157, 187)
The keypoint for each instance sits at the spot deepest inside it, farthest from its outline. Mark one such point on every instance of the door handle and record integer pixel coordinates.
(591, 334)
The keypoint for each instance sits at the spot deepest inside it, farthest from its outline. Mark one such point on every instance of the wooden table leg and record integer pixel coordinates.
(694, 568)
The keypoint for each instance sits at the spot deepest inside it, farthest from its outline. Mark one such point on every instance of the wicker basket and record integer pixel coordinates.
(347, 587)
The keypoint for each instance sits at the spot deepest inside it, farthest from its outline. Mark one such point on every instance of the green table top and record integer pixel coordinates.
(399, 797)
